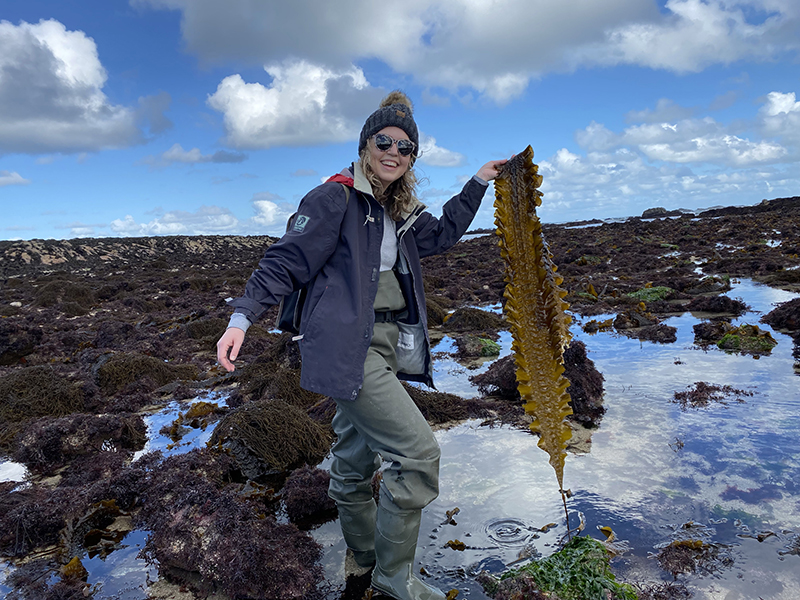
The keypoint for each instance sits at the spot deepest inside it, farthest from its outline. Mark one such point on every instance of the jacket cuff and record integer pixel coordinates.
(239, 321)
(481, 181)
(248, 307)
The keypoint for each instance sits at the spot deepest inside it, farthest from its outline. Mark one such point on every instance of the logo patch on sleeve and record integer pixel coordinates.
(300, 223)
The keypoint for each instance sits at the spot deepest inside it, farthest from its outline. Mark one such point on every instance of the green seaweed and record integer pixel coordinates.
(651, 294)
(579, 571)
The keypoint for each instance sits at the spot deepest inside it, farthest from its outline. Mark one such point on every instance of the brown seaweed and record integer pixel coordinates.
(534, 307)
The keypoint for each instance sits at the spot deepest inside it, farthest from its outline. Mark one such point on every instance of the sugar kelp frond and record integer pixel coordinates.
(534, 307)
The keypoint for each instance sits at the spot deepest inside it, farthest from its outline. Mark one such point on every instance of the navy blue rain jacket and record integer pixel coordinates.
(334, 248)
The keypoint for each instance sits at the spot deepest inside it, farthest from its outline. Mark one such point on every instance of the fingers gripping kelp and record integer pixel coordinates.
(534, 307)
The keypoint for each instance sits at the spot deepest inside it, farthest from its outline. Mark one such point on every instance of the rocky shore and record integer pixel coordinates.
(95, 334)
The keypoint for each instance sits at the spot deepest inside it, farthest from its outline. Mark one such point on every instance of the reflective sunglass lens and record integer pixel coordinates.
(383, 142)
(405, 147)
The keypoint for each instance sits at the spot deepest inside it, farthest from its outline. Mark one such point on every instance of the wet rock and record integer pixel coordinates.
(717, 304)
(34, 392)
(634, 318)
(585, 385)
(440, 407)
(785, 316)
(120, 370)
(17, 342)
(48, 443)
(661, 334)
(710, 284)
(658, 211)
(710, 332)
(305, 493)
(474, 320)
(748, 339)
(585, 390)
(208, 537)
(270, 436)
(473, 346)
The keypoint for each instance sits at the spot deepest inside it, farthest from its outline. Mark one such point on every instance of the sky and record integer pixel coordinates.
(186, 117)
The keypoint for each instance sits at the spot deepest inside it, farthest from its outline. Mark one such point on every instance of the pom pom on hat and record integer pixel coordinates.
(395, 110)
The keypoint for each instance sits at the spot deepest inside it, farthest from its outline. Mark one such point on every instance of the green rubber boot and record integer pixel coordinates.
(395, 545)
(357, 520)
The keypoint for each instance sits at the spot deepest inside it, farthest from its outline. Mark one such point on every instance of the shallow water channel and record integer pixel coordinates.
(654, 473)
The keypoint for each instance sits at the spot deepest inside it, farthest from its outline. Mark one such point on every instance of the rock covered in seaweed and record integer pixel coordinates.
(586, 383)
(270, 436)
(208, 535)
(305, 493)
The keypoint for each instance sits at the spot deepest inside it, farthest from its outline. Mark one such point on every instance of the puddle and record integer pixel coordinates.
(12, 471)
(453, 377)
(121, 575)
(652, 468)
(195, 437)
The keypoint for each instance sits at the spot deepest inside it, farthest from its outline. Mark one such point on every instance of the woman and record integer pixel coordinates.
(364, 325)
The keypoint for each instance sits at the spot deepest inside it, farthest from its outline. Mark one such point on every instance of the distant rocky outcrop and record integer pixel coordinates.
(90, 254)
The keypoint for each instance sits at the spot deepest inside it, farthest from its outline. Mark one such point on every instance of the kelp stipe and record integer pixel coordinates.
(534, 308)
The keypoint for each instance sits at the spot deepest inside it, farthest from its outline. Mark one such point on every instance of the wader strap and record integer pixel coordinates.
(390, 316)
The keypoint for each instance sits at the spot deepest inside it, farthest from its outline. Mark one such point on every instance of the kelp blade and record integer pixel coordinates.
(534, 306)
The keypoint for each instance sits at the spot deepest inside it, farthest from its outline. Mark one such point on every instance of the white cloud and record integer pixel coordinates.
(12, 178)
(51, 97)
(698, 141)
(304, 104)
(271, 214)
(727, 149)
(494, 47)
(207, 220)
(176, 154)
(780, 116)
(695, 34)
(436, 156)
(684, 163)
(269, 218)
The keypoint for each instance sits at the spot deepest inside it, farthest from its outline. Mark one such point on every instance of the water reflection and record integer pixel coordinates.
(731, 472)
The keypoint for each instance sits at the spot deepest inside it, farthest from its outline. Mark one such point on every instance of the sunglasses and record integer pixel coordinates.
(383, 142)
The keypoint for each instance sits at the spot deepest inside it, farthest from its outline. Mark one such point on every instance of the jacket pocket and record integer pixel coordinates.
(308, 322)
(411, 349)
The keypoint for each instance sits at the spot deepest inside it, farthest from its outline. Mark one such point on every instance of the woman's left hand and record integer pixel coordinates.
(491, 169)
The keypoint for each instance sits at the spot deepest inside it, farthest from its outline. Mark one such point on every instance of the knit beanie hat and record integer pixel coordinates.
(395, 111)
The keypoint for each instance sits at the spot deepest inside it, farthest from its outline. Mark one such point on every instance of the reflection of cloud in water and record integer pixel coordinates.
(193, 438)
(739, 459)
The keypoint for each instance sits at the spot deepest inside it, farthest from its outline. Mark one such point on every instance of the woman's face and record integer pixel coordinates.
(389, 166)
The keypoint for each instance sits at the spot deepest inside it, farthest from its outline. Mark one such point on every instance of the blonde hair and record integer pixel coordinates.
(399, 198)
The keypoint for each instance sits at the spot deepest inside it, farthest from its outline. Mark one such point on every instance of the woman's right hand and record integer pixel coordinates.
(231, 341)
